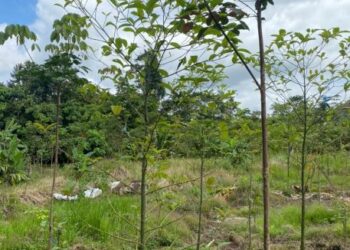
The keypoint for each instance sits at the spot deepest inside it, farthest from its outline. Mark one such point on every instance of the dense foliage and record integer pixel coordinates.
(89, 125)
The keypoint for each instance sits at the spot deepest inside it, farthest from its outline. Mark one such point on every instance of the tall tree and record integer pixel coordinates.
(225, 19)
(259, 5)
(60, 72)
(300, 65)
(141, 61)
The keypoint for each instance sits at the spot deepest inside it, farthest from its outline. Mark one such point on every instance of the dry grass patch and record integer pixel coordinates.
(38, 193)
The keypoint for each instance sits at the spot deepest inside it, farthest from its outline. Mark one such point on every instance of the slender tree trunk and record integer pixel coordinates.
(328, 164)
(54, 169)
(303, 164)
(52, 156)
(41, 163)
(144, 165)
(345, 225)
(200, 203)
(288, 161)
(319, 181)
(265, 164)
(143, 202)
(250, 208)
(345, 210)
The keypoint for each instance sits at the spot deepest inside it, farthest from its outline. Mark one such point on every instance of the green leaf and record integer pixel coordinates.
(116, 109)
(35, 46)
(242, 26)
(215, 3)
(223, 130)
(3, 38)
(20, 32)
(120, 42)
(140, 7)
(120, 62)
(182, 61)
(129, 29)
(193, 60)
(114, 2)
(175, 45)
(212, 105)
(132, 48)
(167, 86)
(211, 181)
(201, 32)
(150, 5)
(265, 2)
(181, 3)
(106, 50)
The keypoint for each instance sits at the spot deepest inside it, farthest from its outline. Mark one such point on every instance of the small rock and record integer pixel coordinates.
(236, 243)
(135, 187)
(114, 184)
(117, 187)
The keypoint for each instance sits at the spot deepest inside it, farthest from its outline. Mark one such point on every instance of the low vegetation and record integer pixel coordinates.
(111, 221)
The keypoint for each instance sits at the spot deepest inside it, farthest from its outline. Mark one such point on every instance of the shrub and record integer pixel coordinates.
(12, 156)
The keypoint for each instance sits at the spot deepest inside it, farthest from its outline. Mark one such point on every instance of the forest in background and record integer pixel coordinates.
(93, 126)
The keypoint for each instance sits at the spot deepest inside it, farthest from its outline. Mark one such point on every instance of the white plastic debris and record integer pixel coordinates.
(92, 193)
(114, 185)
(62, 197)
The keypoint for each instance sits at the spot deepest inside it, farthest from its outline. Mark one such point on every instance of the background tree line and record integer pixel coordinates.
(89, 126)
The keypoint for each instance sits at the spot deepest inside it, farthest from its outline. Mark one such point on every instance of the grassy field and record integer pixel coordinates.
(111, 221)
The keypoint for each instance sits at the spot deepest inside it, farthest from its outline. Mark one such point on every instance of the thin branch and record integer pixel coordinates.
(233, 46)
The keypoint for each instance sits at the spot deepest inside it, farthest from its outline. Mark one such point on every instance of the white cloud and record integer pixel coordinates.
(296, 15)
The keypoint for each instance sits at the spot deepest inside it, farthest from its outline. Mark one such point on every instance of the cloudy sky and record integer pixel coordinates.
(292, 15)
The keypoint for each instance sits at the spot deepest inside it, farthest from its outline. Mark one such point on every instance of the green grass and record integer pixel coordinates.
(111, 222)
(101, 220)
(107, 222)
(24, 231)
(285, 221)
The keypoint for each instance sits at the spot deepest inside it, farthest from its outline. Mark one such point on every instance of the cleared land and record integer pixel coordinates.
(111, 221)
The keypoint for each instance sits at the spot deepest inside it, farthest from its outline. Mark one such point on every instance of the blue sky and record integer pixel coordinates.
(17, 11)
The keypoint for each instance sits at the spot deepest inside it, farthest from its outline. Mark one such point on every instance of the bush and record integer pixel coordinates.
(12, 156)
